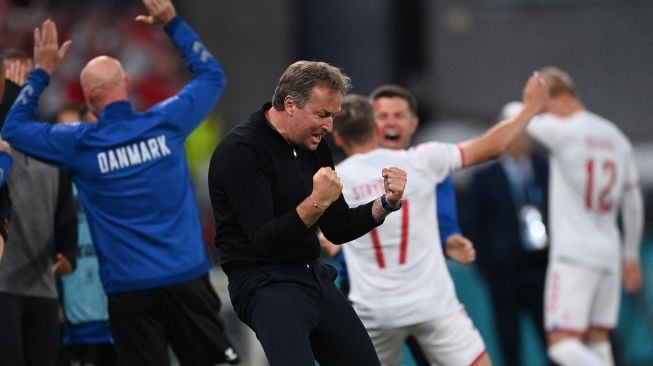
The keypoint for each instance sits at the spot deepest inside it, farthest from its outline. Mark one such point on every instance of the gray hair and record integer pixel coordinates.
(301, 77)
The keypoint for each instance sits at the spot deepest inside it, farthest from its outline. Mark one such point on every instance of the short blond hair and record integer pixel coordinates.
(557, 80)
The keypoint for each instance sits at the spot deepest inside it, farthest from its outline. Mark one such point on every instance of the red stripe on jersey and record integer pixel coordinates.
(607, 328)
(403, 247)
(462, 156)
(552, 295)
(573, 332)
(377, 248)
(589, 186)
(478, 358)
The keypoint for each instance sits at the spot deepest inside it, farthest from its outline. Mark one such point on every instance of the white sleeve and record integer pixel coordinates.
(632, 211)
(547, 131)
(436, 157)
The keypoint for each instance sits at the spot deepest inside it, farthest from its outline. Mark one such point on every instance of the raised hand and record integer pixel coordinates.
(326, 188)
(394, 182)
(536, 93)
(17, 72)
(160, 12)
(47, 53)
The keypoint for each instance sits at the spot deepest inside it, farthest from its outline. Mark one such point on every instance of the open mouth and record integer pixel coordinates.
(392, 136)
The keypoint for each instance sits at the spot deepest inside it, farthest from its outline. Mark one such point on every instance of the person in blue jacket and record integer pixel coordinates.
(132, 177)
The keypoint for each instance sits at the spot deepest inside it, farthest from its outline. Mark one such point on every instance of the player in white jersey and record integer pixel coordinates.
(395, 116)
(400, 285)
(593, 175)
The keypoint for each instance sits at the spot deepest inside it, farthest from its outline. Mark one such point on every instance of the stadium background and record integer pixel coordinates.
(464, 59)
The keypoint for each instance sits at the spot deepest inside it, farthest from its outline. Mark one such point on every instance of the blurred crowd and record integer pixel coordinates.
(155, 69)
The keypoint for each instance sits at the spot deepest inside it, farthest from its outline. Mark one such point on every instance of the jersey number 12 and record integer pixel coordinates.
(608, 168)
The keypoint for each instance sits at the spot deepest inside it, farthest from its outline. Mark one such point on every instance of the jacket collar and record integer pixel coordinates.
(116, 110)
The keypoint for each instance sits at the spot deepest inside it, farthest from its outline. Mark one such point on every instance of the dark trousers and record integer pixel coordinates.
(99, 354)
(513, 292)
(185, 316)
(299, 315)
(29, 330)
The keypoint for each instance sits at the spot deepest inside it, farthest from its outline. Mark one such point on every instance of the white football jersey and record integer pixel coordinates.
(591, 166)
(398, 273)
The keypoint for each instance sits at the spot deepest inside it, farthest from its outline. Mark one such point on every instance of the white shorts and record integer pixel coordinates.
(451, 340)
(577, 297)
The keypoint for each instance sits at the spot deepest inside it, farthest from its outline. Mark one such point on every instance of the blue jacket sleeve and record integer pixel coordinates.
(446, 209)
(54, 143)
(193, 103)
(6, 163)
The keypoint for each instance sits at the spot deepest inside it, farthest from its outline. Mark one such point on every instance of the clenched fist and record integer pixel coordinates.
(394, 182)
(326, 188)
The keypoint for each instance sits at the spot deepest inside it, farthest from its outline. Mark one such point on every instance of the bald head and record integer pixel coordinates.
(103, 81)
(101, 72)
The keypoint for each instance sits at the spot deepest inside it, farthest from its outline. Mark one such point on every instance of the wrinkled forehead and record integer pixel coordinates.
(391, 104)
(321, 96)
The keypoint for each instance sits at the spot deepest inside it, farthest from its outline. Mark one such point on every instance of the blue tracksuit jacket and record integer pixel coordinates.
(131, 172)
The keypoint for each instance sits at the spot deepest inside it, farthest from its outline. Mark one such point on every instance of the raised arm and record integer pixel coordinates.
(17, 72)
(495, 141)
(160, 12)
(53, 143)
(194, 102)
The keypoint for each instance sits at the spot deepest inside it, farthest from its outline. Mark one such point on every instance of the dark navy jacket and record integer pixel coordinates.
(491, 220)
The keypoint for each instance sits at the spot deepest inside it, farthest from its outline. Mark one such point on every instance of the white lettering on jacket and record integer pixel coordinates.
(133, 154)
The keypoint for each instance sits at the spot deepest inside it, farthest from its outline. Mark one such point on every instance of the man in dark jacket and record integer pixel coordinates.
(272, 183)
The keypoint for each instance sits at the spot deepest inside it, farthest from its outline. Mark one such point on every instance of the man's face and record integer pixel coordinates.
(308, 125)
(395, 124)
